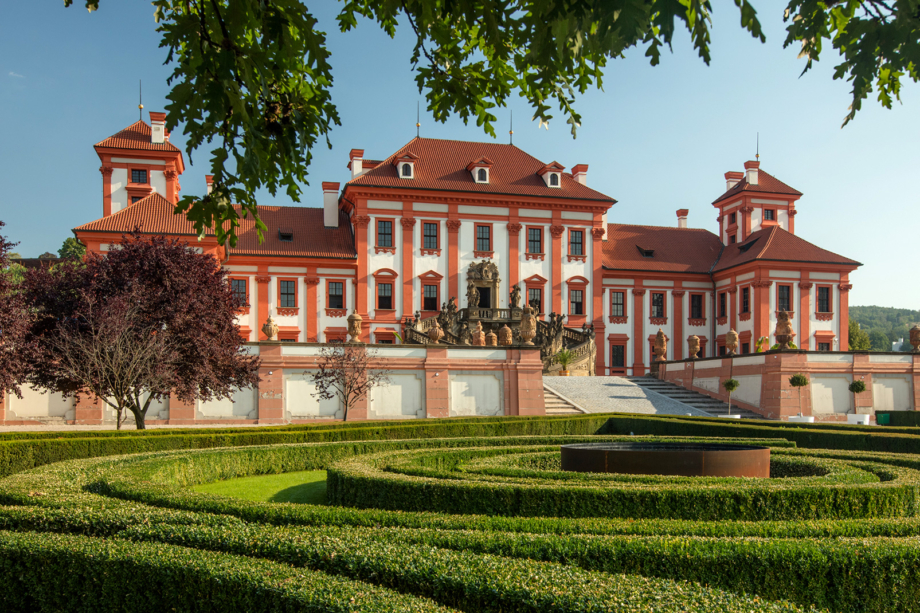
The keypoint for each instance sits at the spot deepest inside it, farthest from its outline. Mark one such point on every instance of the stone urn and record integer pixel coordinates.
(504, 336)
(731, 342)
(270, 329)
(661, 346)
(479, 339)
(354, 327)
(491, 339)
(784, 332)
(435, 333)
(693, 343)
(528, 325)
(915, 338)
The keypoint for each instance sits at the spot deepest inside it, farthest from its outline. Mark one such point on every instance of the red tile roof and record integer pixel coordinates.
(686, 250)
(154, 215)
(442, 166)
(766, 183)
(777, 244)
(136, 136)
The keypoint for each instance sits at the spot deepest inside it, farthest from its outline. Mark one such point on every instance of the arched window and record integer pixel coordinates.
(407, 170)
(482, 176)
(554, 180)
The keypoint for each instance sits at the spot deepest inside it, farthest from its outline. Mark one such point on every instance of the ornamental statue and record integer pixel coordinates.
(528, 325)
(491, 339)
(731, 342)
(515, 296)
(354, 327)
(661, 346)
(472, 295)
(784, 332)
(270, 329)
(915, 338)
(485, 270)
(435, 333)
(504, 336)
(693, 344)
(478, 336)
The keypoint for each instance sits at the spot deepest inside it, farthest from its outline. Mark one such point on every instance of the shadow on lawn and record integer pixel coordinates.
(313, 492)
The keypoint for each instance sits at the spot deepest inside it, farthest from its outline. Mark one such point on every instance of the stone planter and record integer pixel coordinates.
(804, 419)
(731, 416)
(563, 373)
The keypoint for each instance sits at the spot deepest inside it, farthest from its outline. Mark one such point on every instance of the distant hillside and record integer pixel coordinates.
(894, 323)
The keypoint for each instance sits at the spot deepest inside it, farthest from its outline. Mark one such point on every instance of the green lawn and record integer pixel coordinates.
(305, 487)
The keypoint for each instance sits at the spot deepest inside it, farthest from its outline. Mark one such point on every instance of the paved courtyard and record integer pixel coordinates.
(617, 395)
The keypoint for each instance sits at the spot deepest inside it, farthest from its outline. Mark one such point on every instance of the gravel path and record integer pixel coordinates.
(617, 395)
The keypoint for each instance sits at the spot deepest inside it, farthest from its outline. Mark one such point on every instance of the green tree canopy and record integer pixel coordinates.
(879, 341)
(858, 338)
(72, 249)
(254, 77)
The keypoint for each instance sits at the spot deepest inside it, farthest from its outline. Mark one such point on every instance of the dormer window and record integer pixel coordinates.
(646, 253)
(552, 174)
(479, 169)
(286, 235)
(482, 175)
(405, 165)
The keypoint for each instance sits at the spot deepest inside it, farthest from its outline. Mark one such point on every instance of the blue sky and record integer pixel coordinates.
(656, 139)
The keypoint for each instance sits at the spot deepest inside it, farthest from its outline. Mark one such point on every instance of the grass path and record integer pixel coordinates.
(305, 487)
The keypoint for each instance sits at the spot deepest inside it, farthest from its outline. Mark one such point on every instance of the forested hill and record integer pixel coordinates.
(894, 323)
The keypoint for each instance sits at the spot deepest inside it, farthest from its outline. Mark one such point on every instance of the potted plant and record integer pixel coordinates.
(799, 381)
(730, 386)
(564, 358)
(857, 387)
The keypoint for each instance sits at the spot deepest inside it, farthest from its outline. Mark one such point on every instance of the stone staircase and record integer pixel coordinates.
(556, 404)
(692, 399)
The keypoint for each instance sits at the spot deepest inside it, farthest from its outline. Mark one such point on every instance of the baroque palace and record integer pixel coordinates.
(490, 225)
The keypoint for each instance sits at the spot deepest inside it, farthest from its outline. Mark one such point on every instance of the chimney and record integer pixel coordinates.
(330, 204)
(682, 217)
(357, 158)
(209, 179)
(580, 173)
(732, 179)
(157, 128)
(751, 168)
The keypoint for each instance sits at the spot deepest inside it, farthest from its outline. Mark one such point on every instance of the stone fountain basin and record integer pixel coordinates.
(680, 459)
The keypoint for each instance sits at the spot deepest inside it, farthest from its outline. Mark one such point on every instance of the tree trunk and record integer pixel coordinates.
(729, 403)
(139, 419)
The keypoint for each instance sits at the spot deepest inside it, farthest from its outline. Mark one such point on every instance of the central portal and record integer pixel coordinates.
(485, 298)
(482, 285)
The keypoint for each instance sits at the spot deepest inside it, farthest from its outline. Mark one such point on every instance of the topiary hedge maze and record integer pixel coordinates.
(459, 515)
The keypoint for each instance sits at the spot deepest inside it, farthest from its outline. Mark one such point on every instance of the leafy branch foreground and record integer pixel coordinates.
(255, 76)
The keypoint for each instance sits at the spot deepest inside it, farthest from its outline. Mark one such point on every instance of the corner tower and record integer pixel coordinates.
(754, 200)
(137, 162)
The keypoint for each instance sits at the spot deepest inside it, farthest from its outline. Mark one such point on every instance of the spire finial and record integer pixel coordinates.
(511, 130)
(418, 119)
(140, 100)
(757, 157)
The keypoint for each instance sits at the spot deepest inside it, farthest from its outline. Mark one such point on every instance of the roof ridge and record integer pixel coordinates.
(641, 225)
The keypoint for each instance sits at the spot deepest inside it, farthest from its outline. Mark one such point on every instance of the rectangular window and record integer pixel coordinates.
(824, 300)
(288, 340)
(745, 348)
(657, 305)
(336, 295)
(824, 346)
(388, 341)
(430, 298)
(385, 296)
(384, 233)
(722, 350)
(138, 176)
(287, 296)
(136, 198)
(732, 218)
(238, 287)
(618, 304)
(723, 309)
(745, 300)
(430, 236)
(769, 215)
(534, 240)
(576, 302)
(535, 299)
(483, 238)
(617, 356)
(576, 242)
(696, 306)
(732, 239)
(783, 293)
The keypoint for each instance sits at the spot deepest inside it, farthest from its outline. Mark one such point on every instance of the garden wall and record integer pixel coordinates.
(892, 382)
(426, 381)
